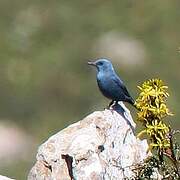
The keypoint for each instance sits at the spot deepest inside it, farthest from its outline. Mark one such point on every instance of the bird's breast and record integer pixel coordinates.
(105, 84)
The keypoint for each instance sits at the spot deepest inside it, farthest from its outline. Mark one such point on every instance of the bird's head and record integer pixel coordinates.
(102, 64)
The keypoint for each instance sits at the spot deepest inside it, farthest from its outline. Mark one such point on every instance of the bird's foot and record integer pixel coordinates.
(108, 108)
(111, 106)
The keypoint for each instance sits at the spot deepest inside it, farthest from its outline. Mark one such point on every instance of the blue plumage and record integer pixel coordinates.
(109, 82)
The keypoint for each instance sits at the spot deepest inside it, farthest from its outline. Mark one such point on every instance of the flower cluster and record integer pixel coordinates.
(151, 104)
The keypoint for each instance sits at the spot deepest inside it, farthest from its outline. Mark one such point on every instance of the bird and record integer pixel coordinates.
(109, 83)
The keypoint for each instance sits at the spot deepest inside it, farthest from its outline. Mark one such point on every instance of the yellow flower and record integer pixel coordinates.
(152, 109)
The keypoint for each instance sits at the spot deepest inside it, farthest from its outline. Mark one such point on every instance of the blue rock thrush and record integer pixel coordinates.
(109, 82)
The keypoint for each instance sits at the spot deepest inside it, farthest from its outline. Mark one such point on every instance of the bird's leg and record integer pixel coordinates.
(115, 105)
(113, 108)
(110, 104)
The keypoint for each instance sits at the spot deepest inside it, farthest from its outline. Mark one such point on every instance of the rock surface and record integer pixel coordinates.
(101, 146)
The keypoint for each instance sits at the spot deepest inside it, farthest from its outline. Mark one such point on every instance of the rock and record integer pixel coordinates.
(101, 146)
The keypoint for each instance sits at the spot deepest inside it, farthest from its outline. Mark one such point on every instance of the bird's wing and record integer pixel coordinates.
(125, 90)
(120, 83)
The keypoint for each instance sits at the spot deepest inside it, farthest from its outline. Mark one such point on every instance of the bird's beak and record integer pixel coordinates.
(91, 63)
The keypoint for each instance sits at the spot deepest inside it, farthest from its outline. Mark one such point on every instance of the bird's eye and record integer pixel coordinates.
(100, 63)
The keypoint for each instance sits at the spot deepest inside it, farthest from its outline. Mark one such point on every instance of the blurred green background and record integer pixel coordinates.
(45, 83)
